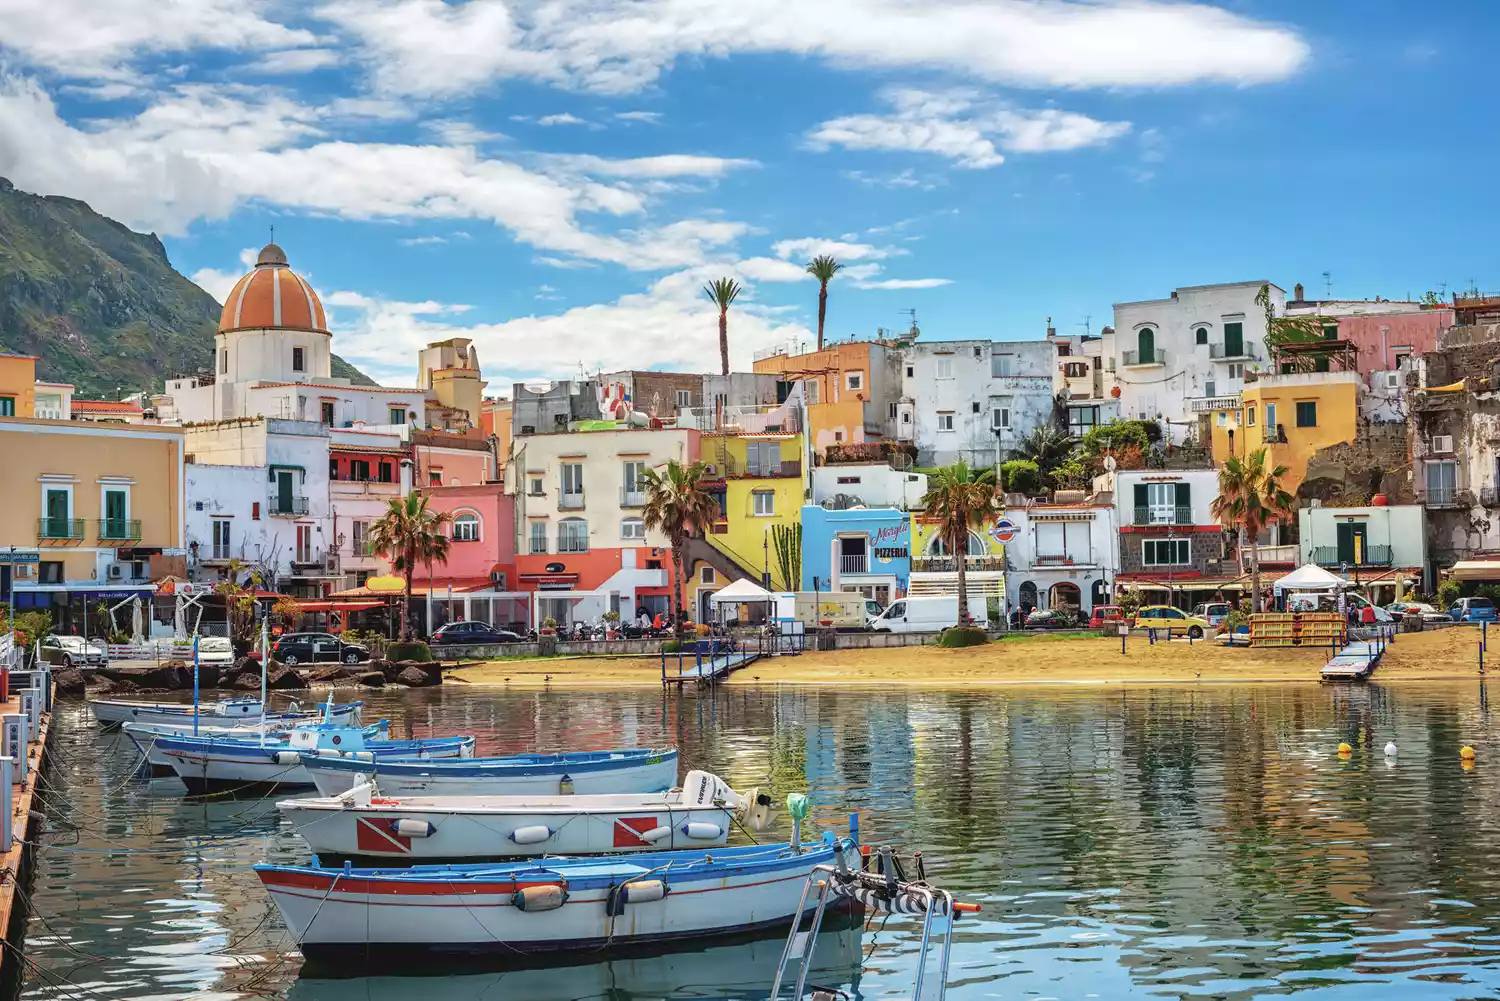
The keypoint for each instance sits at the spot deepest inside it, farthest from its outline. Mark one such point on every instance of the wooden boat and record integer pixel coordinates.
(553, 905)
(361, 825)
(113, 713)
(581, 772)
(223, 764)
(145, 736)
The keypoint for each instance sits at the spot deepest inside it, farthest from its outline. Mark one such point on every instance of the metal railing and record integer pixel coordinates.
(1374, 556)
(1441, 496)
(854, 564)
(1172, 514)
(570, 501)
(1155, 356)
(1288, 553)
(120, 529)
(1246, 351)
(1489, 496)
(573, 545)
(755, 418)
(1208, 404)
(294, 505)
(947, 564)
(59, 528)
(632, 497)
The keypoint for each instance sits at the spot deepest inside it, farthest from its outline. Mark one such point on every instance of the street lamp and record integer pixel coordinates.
(765, 545)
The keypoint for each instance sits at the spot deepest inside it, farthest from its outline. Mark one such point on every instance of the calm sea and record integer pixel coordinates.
(1123, 843)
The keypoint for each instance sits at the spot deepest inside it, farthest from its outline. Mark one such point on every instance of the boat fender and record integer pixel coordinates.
(408, 828)
(362, 755)
(288, 758)
(655, 834)
(539, 898)
(639, 892)
(703, 831)
(565, 786)
(532, 835)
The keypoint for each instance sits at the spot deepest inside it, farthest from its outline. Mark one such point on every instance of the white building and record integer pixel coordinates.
(1083, 379)
(1062, 555)
(868, 484)
(973, 400)
(1178, 357)
(367, 469)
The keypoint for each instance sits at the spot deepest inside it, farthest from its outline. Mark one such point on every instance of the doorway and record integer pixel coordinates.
(1351, 543)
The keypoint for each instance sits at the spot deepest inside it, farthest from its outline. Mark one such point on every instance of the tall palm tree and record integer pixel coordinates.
(823, 268)
(679, 506)
(958, 498)
(409, 535)
(1047, 445)
(722, 292)
(1250, 498)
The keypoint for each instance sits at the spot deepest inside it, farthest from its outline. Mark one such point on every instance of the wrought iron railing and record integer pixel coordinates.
(947, 564)
(1374, 556)
(59, 528)
(119, 529)
(294, 505)
(1164, 514)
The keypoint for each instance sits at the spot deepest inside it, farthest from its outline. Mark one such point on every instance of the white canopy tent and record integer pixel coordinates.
(743, 592)
(1311, 577)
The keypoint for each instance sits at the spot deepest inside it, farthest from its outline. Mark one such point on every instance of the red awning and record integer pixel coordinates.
(337, 606)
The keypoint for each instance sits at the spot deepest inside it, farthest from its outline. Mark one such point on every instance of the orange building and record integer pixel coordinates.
(850, 389)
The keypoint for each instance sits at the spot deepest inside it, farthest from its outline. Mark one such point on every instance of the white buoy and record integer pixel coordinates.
(1390, 749)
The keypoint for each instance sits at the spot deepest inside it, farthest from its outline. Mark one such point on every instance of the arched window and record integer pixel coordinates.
(1201, 335)
(466, 527)
(939, 547)
(632, 530)
(573, 535)
(1146, 341)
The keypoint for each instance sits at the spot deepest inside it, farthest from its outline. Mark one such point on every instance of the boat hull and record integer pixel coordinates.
(228, 766)
(522, 775)
(405, 915)
(112, 714)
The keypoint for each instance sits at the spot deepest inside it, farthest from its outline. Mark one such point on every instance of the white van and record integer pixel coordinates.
(927, 613)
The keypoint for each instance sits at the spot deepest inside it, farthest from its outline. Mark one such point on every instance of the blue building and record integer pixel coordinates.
(867, 550)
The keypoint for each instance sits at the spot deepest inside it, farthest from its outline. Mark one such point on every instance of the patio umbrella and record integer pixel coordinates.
(137, 632)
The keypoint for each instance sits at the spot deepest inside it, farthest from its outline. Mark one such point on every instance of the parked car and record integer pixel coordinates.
(1421, 608)
(926, 613)
(473, 632)
(318, 648)
(1049, 618)
(1106, 615)
(70, 651)
(1213, 612)
(1174, 619)
(1473, 610)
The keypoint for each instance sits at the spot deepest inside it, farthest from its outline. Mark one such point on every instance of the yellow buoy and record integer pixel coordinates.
(1467, 764)
(1466, 752)
(1345, 749)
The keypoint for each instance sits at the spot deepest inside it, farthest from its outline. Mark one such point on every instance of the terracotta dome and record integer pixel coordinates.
(273, 295)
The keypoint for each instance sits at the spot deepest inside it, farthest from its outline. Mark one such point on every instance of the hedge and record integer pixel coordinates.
(415, 650)
(960, 636)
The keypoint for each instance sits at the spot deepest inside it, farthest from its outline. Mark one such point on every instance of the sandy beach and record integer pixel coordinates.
(1024, 660)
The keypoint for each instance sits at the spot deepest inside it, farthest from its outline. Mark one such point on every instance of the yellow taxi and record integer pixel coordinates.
(1166, 617)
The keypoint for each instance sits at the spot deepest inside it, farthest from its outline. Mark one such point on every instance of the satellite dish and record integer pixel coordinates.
(1109, 463)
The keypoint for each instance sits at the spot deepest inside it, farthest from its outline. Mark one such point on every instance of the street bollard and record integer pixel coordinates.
(7, 808)
(13, 742)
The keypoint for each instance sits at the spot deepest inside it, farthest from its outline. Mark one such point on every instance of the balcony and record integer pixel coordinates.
(1489, 496)
(1220, 352)
(567, 501)
(760, 418)
(1170, 514)
(1291, 554)
(1276, 435)
(572, 545)
(292, 506)
(1209, 404)
(854, 563)
(60, 529)
(788, 468)
(1141, 359)
(947, 564)
(1445, 497)
(1045, 560)
(1375, 556)
(119, 530)
(632, 497)
(364, 488)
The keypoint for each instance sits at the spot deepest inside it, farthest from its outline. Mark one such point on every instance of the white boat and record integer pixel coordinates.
(584, 773)
(112, 713)
(146, 736)
(362, 825)
(604, 905)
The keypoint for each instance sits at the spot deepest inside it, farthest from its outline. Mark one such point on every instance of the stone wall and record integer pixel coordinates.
(1350, 473)
(1207, 549)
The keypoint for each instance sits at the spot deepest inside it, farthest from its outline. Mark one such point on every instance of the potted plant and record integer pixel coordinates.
(549, 626)
(612, 624)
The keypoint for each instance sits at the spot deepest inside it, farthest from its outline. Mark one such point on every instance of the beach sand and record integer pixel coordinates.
(1441, 654)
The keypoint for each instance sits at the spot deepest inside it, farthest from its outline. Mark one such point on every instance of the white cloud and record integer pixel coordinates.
(672, 165)
(562, 119)
(769, 269)
(899, 283)
(423, 241)
(806, 248)
(459, 133)
(905, 179)
(964, 128)
(289, 62)
(653, 117)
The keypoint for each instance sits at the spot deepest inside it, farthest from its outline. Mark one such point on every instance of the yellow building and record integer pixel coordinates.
(848, 389)
(1292, 415)
(449, 372)
(17, 385)
(101, 506)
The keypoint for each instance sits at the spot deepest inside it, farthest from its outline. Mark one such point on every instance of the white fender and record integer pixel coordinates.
(539, 898)
(643, 891)
(656, 834)
(703, 831)
(407, 828)
(288, 758)
(535, 834)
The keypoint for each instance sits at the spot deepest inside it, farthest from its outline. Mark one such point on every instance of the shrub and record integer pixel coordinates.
(672, 646)
(960, 636)
(1447, 593)
(415, 650)
(1021, 476)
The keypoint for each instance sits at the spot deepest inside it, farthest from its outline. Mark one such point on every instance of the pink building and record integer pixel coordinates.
(1383, 339)
(483, 533)
(451, 459)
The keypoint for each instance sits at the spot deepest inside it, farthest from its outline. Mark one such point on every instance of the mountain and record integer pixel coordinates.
(99, 304)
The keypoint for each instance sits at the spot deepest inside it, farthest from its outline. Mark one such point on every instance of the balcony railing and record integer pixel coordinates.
(761, 418)
(632, 497)
(1208, 404)
(1489, 496)
(1291, 553)
(1220, 351)
(120, 529)
(1374, 556)
(574, 545)
(1140, 358)
(1061, 560)
(69, 529)
(1174, 514)
(947, 564)
(1445, 497)
(570, 501)
(854, 564)
(1276, 435)
(785, 467)
(294, 505)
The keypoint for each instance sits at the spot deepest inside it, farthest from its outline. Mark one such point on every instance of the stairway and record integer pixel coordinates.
(732, 569)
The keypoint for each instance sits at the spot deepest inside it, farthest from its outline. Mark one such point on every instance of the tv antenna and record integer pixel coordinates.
(1327, 285)
(911, 314)
(1088, 319)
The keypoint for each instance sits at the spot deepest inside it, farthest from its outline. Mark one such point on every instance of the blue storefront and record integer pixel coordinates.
(867, 550)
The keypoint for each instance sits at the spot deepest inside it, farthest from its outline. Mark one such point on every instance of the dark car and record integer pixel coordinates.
(318, 648)
(1049, 618)
(473, 632)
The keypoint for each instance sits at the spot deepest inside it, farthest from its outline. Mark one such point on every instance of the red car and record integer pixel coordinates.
(1105, 615)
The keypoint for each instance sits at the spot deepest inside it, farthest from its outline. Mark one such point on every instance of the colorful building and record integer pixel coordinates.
(850, 390)
(366, 471)
(1171, 547)
(865, 550)
(1062, 554)
(477, 584)
(17, 385)
(449, 372)
(934, 568)
(1293, 416)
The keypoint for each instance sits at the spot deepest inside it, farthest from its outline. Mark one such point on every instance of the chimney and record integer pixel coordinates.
(1107, 332)
(1051, 330)
(1297, 291)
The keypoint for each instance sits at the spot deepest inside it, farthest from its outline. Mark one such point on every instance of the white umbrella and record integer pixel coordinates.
(137, 632)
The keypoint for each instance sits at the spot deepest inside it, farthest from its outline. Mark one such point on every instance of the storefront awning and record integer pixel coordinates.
(1475, 570)
(338, 606)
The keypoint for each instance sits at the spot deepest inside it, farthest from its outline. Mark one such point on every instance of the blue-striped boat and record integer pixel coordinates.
(581, 772)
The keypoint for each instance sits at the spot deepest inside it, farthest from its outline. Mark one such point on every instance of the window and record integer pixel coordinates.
(572, 482)
(1222, 418)
(1307, 414)
(538, 536)
(906, 418)
(534, 489)
(304, 544)
(1234, 339)
(1000, 417)
(1064, 350)
(1076, 369)
(255, 511)
(220, 549)
(856, 479)
(1002, 366)
(398, 415)
(1209, 386)
(911, 371)
(1166, 552)
(854, 381)
(57, 509)
(223, 361)
(327, 413)
(945, 422)
(572, 536)
(1272, 428)
(7, 406)
(763, 458)
(434, 478)
(706, 575)
(50, 571)
(1250, 416)
(1201, 335)
(890, 412)
(1163, 504)
(299, 359)
(1146, 346)
(765, 503)
(810, 391)
(116, 514)
(632, 530)
(387, 473)
(1330, 331)
(1236, 370)
(359, 532)
(684, 397)
(943, 368)
(838, 436)
(634, 480)
(1081, 419)
(359, 470)
(333, 468)
(721, 402)
(975, 406)
(1442, 481)
(466, 527)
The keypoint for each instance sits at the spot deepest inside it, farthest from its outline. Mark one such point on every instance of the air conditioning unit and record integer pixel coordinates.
(1442, 443)
(1393, 380)
(115, 572)
(25, 570)
(497, 578)
(711, 469)
(330, 563)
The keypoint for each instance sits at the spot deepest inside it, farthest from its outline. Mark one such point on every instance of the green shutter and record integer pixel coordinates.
(1184, 495)
(1140, 495)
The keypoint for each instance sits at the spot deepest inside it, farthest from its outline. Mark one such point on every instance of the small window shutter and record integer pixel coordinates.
(1140, 495)
(1184, 494)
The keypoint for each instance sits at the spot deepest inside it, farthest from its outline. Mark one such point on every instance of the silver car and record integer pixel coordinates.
(69, 651)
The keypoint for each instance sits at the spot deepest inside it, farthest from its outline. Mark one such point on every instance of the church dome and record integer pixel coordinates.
(273, 295)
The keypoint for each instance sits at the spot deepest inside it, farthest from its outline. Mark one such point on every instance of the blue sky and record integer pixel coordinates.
(557, 178)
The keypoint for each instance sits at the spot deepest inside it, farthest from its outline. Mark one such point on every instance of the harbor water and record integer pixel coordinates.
(1123, 843)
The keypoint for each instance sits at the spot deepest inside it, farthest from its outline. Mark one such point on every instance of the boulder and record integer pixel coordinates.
(413, 677)
(371, 679)
(327, 674)
(282, 678)
(125, 687)
(432, 669)
(70, 682)
(247, 681)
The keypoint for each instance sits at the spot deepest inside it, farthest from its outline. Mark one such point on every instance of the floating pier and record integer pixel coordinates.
(1356, 661)
(25, 722)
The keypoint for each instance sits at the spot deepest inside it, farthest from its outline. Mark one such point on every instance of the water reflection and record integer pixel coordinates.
(1124, 842)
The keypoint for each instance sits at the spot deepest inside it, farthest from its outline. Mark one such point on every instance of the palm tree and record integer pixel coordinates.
(1250, 498)
(823, 268)
(679, 506)
(1047, 445)
(722, 292)
(410, 535)
(957, 498)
